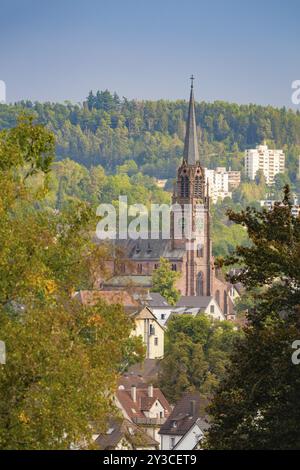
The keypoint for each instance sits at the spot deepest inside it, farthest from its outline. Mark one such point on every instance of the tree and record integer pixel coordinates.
(63, 359)
(163, 280)
(196, 353)
(257, 404)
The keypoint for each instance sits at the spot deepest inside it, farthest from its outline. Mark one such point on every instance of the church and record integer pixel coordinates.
(191, 256)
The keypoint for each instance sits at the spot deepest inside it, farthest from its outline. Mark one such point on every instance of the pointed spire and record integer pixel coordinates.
(190, 152)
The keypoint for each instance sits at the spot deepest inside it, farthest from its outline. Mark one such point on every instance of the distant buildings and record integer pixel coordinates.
(269, 204)
(270, 162)
(221, 182)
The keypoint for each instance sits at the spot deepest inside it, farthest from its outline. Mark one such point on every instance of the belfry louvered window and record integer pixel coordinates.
(198, 187)
(185, 186)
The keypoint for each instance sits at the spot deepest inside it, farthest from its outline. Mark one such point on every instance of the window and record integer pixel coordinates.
(162, 316)
(172, 442)
(185, 186)
(161, 414)
(225, 303)
(151, 330)
(200, 251)
(200, 283)
(218, 296)
(198, 187)
(140, 268)
(212, 309)
(156, 341)
(174, 267)
(155, 266)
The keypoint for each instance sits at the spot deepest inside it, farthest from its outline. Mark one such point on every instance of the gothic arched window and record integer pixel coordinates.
(198, 186)
(200, 250)
(225, 303)
(199, 283)
(218, 297)
(185, 186)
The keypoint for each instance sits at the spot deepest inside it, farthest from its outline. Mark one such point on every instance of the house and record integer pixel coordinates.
(143, 405)
(185, 427)
(192, 305)
(204, 304)
(145, 322)
(123, 434)
(159, 306)
(151, 331)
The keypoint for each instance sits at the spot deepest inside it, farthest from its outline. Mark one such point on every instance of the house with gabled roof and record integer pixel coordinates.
(152, 332)
(144, 405)
(185, 427)
(122, 434)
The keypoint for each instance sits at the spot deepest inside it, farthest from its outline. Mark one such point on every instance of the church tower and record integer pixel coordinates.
(191, 198)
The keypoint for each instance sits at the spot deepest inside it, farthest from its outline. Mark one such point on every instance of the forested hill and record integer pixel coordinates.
(108, 130)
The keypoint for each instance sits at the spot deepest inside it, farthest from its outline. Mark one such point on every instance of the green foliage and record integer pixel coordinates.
(196, 355)
(27, 144)
(257, 404)
(63, 359)
(163, 281)
(108, 131)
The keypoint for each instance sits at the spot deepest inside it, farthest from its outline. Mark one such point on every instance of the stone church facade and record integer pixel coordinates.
(190, 255)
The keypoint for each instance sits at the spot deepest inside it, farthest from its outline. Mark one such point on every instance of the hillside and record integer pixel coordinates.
(107, 130)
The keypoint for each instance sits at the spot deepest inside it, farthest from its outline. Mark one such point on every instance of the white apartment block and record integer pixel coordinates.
(269, 204)
(270, 162)
(218, 183)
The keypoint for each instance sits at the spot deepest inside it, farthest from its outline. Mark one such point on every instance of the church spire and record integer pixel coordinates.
(190, 152)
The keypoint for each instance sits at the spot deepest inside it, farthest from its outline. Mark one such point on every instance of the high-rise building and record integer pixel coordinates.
(218, 183)
(234, 179)
(269, 162)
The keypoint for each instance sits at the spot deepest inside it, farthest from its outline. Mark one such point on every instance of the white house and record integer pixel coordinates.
(192, 305)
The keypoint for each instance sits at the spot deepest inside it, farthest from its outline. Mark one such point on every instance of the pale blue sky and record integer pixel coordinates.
(239, 51)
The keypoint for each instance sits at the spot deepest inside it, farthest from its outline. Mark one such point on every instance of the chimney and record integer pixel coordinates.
(133, 393)
(193, 408)
(150, 391)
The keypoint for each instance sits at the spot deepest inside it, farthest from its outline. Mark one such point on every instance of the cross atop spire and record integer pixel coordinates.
(190, 152)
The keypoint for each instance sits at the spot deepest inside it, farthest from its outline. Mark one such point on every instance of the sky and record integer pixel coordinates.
(239, 51)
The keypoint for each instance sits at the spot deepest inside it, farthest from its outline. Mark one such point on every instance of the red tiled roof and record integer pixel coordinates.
(92, 297)
(143, 401)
